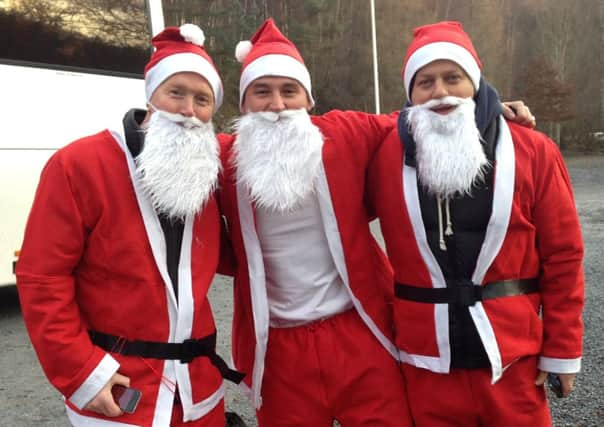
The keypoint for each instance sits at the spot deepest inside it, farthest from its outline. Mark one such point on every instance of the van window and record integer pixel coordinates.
(100, 35)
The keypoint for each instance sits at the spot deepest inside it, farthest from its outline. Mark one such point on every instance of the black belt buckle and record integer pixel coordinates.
(467, 294)
(187, 354)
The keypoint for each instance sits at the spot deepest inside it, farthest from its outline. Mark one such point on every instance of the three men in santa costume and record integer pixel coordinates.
(121, 246)
(312, 325)
(481, 229)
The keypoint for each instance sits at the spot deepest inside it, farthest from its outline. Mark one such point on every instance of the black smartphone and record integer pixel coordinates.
(127, 398)
(553, 381)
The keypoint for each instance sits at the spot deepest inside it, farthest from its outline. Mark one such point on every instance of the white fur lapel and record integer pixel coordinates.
(505, 171)
(336, 248)
(255, 265)
(153, 227)
(502, 202)
(441, 311)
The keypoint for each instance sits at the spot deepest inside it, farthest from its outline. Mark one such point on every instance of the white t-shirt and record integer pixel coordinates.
(302, 281)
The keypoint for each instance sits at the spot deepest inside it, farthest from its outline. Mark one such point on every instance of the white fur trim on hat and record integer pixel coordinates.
(441, 50)
(193, 34)
(242, 50)
(275, 65)
(184, 62)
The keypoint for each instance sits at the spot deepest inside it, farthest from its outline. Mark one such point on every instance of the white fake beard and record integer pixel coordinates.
(179, 164)
(449, 155)
(278, 156)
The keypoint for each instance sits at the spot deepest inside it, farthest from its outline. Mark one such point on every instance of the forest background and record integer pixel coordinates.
(549, 53)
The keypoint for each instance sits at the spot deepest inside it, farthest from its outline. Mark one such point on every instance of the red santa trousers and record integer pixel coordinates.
(214, 418)
(466, 397)
(331, 369)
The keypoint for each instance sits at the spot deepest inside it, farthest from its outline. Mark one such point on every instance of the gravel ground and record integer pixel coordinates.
(26, 398)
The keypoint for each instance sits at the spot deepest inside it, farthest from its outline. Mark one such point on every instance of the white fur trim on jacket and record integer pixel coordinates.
(95, 382)
(560, 366)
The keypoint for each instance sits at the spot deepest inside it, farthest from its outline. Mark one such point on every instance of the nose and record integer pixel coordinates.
(186, 106)
(277, 103)
(440, 89)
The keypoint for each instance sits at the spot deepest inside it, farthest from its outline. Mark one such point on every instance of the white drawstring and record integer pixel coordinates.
(449, 230)
(441, 238)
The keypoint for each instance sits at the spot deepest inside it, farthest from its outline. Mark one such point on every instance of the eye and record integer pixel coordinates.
(202, 100)
(424, 83)
(177, 93)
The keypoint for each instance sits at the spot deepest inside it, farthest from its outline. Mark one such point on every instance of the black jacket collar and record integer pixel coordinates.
(134, 135)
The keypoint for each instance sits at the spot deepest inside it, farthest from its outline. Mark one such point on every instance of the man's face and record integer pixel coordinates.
(439, 79)
(187, 94)
(275, 94)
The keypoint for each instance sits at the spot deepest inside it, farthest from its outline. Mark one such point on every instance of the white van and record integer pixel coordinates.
(61, 81)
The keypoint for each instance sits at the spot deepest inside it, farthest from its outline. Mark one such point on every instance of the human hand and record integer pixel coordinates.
(567, 381)
(519, 113)
(103, 402)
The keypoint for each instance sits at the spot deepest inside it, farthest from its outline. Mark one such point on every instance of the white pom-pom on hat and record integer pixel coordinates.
(193, 34)
(242, 50)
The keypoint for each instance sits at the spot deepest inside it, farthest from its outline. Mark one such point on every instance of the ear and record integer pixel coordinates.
(309, 105)
(150, 111)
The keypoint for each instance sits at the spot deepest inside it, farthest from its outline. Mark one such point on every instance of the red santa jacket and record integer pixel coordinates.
(533, 232)
(94, 258)
(350, 138)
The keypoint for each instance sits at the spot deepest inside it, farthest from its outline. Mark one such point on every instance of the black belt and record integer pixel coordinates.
(464, 292)
(185, 351)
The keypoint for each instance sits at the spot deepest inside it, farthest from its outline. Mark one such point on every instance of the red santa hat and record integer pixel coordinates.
(270, 53)
(443, 40)
(181, 50)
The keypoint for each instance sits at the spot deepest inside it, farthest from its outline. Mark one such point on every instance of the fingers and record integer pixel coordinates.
(120, 379)
(508, 112)
(519, 113)
(530, 121)
(568, 382)
(103, 402)
(541, 377)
